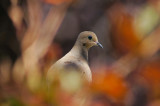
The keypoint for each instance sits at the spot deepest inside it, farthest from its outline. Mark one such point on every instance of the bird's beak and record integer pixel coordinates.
(98, 44)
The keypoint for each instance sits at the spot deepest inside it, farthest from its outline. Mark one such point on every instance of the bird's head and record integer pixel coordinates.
(88, 39)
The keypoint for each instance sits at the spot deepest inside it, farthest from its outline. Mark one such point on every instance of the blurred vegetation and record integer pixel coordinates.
(36, 33)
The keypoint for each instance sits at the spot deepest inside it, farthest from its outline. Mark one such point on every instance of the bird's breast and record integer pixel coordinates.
(85, 70)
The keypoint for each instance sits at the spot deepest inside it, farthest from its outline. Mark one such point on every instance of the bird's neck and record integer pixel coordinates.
(80, 51)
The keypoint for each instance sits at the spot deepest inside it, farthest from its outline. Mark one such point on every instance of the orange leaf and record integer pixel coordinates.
(111, 84)
(151, 72)
(123, 36)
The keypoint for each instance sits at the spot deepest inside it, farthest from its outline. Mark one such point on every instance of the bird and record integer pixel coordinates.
(77, 57)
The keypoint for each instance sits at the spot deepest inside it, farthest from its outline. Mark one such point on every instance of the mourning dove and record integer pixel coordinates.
(77, 57)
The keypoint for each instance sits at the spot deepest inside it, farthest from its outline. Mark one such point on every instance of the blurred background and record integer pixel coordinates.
(36, 33)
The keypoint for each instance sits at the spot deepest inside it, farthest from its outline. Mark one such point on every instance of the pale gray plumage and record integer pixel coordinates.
(77, 57)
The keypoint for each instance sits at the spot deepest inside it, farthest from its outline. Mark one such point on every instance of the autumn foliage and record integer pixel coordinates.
(36, 33)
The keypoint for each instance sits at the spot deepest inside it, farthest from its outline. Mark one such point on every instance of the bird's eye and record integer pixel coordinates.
(89, 37)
